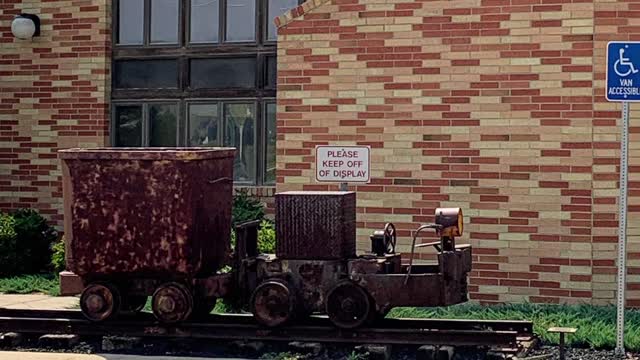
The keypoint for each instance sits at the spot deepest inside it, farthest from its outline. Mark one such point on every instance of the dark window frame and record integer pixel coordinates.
(184, 51)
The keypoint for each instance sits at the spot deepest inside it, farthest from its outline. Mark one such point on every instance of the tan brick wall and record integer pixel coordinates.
(53, 94)
(496, 106)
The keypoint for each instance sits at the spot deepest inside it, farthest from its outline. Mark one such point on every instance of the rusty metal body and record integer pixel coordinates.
(316, 225)
(382, 278)
(147, 212)
(441, 284)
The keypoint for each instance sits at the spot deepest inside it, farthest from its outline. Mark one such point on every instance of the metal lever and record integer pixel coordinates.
(437, 227)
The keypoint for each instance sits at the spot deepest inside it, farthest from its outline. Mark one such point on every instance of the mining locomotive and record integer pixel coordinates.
(143, 222)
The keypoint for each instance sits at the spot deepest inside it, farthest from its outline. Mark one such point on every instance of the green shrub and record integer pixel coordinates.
(25, 243)
(267, 237)
(57, 257)
(34, 240)
(245, 208)
(8, 243)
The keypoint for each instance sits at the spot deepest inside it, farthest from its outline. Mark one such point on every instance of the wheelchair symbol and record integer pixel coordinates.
(626, 62)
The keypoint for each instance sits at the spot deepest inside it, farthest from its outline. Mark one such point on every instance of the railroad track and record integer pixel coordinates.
(503, 335)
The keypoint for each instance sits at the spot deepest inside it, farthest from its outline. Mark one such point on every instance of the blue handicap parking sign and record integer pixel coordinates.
(623, 71)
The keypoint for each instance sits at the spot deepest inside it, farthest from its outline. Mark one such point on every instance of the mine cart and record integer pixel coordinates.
(146, 222)
(316, 268)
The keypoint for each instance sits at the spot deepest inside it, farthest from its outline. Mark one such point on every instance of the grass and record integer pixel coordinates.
(29, 284)
(596, 324)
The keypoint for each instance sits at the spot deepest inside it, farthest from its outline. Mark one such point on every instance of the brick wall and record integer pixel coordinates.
(53, 94)
(496, 106)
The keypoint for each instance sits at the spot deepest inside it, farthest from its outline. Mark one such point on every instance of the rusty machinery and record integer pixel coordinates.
(145, 223)
(353, 290)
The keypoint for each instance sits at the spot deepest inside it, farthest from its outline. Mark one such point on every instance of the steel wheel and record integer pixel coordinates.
(272, 303)
(172, 303)
(348, 305)
(100, 301)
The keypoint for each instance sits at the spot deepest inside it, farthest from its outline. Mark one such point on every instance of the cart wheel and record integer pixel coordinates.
(272, 303)
(203, 306)
(172, 303)
(100, 301)
(134, 303)
(348, 305)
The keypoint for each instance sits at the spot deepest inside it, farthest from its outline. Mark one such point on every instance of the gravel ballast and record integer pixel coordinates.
(580, 354)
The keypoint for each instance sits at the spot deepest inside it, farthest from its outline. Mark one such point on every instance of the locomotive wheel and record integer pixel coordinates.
(272, 303)
(172, 303)
(134, 303)
(100, 301)
(348, 305)
(203, 306)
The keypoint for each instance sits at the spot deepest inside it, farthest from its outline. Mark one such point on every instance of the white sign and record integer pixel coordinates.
(343, 164)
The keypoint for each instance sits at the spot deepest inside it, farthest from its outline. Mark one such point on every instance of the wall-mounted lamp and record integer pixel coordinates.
(25, 26)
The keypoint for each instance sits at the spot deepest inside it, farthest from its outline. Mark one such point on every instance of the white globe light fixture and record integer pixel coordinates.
(25, 26)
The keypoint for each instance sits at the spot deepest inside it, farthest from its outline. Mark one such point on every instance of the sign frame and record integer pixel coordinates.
(367, 147)
(607, 75)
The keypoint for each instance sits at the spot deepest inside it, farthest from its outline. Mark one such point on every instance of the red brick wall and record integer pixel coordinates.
(496, 106)
(53, 94)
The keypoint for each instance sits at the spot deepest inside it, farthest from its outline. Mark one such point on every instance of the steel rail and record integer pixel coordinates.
(233, 327)
(254, 332)
(523, 328)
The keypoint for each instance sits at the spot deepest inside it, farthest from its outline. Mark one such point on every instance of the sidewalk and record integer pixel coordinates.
(42, 302)
(51, 356)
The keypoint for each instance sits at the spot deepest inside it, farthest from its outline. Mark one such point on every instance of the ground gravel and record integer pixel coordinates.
(581, 354)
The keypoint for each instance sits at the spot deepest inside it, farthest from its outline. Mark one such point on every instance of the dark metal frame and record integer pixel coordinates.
(261, 94)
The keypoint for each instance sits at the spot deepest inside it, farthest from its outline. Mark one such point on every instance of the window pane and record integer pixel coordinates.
(204, 21)
(204, 125)
(223, 73)
(270, 165)
(272, 72)
(241, 20)
(146, 74)
(164, 21)
(277, 8)
(130, 22)
(240, 133)
(128, 125)
(162, 119)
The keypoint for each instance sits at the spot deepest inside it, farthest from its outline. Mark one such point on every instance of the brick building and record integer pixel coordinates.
(135, 73)
(496, 106)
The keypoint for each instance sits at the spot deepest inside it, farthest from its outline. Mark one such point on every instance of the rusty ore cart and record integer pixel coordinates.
(156, 222)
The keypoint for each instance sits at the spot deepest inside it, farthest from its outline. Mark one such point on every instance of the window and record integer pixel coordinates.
(131, 13)
(204, 125)
(277, 8)
(240, 121)
(272, 72)
(128, 124)
(145, 124)
(223, 73)
(160, 26)
(198, 73)
(146, 74)
(270, 148)
(241, 20)
(205, 21)
(163, 123)
(164, 21)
